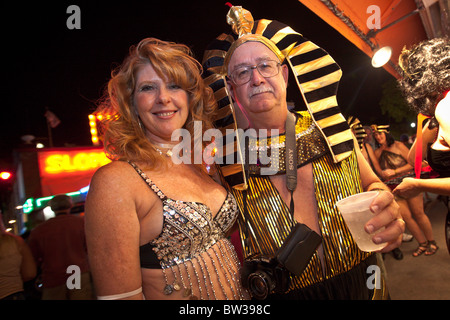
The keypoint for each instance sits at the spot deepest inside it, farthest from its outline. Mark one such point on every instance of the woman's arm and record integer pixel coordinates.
(28, 269)
(112, 232)
(411, 187)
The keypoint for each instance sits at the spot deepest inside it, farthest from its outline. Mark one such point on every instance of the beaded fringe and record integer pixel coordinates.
(195, 276)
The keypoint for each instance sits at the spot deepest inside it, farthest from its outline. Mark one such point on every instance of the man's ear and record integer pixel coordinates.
(285, 73)
(230, 87)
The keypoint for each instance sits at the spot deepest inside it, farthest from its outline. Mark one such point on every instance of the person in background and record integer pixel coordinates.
(425, 84)
(369, 139)
(251, 68)
(57, 244)
(17, 265)
(392, 157)
(364, 137)
(156, 226)
(361, 134)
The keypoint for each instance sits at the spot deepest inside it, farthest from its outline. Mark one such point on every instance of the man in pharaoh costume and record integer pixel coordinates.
(295, 242)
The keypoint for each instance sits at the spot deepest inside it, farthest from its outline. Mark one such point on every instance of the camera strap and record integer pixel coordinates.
(291, 166)
(291, 158)
(245, 193)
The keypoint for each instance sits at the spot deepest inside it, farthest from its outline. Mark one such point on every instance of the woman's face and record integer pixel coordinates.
(380, 137)
(162, 106)
(442, 111)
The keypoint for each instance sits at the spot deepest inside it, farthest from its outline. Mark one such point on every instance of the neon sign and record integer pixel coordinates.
(39, 203)
(53, 163)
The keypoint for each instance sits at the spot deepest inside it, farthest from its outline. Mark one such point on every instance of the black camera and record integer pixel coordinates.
(263, 275)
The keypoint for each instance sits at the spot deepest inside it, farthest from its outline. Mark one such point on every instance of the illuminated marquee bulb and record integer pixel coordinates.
(93, 126)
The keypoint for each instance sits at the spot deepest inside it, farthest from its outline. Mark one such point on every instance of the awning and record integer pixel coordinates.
(362, 23)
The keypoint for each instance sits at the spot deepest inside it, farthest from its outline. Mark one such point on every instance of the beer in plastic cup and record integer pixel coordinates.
(356, 212)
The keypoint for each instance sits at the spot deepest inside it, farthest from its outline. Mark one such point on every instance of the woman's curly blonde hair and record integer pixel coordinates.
(122, 133)
(426, 74)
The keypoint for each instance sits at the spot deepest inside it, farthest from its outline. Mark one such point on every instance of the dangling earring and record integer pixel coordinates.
(139, 121)
(141, 125)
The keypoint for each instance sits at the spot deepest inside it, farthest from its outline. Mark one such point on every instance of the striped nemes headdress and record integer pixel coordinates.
(316, 73)
(358, 129)
(380, 128)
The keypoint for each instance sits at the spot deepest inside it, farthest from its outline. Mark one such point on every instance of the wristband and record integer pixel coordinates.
(120, 295)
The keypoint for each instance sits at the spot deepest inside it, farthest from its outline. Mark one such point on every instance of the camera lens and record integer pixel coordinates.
(260, 284)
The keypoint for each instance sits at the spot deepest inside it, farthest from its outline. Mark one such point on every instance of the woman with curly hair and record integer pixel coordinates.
(426, 74)
(156, 227)
(425, 83)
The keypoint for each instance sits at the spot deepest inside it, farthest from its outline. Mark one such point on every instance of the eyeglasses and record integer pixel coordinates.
(267, 69)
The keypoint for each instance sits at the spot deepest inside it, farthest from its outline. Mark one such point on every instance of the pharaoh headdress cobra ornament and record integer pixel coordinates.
(316, 73)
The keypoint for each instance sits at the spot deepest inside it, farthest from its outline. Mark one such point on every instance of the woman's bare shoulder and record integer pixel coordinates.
(116, 177)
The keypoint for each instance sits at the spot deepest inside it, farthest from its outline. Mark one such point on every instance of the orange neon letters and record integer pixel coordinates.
(81, 161)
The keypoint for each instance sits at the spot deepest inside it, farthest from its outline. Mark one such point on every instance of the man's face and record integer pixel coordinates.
(259, 94)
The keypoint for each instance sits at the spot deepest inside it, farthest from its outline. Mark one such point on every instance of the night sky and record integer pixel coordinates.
(49, 66)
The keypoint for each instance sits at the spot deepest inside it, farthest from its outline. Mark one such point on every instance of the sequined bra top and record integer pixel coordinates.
(189, 228)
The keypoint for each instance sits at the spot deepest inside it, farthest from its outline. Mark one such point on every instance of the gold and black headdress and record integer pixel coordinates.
(316, 73)
(380, 128)
(358, 129)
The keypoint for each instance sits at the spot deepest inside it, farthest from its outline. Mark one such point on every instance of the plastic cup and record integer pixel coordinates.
(356, 212)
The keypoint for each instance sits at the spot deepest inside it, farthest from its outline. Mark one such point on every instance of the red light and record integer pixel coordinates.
(5, 175)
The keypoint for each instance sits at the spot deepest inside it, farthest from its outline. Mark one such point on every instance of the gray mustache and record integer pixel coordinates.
(260, 90)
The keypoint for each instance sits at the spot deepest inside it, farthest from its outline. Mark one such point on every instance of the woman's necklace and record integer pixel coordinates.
(168, 148)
